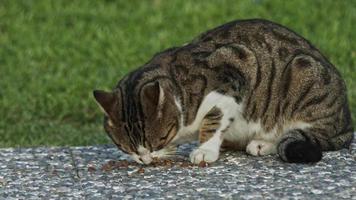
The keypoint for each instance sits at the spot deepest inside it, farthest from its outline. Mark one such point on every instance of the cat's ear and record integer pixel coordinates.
(152, 96)
(106, 100)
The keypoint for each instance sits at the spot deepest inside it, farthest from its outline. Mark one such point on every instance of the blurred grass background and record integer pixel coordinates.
(53, 53)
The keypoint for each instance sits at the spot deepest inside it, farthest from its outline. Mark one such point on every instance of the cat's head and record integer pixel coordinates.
(143, 122)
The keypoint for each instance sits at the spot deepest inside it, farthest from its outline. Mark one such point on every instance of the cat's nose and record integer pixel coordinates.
(146, 159)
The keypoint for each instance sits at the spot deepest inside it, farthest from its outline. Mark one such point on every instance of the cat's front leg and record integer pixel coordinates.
(214, 125)
(209, 150)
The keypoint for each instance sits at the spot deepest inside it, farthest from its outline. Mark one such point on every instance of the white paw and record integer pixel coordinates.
(260, 148)
(206, 155)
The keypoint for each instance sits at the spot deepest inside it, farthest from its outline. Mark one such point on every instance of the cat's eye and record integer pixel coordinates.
(167, 138)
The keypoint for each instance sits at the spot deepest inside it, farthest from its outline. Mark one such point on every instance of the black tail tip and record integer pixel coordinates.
(302, 152)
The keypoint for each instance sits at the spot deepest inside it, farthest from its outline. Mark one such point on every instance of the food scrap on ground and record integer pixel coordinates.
(121, 164)
(91, 169)
(166, 163)
(203, 164)
(141, 170)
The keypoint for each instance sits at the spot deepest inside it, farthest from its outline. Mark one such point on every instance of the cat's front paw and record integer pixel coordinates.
(206, 155)
(260, 148)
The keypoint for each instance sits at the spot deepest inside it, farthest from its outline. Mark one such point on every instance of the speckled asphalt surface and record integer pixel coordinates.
(75, 173)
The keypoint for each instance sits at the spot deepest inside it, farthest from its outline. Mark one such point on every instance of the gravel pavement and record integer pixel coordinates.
(78, 173)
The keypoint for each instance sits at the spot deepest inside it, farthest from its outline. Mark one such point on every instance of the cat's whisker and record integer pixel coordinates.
(168, 153)
(174, 154)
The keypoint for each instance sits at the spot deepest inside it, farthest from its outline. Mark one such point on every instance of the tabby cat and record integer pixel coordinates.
(249, 85)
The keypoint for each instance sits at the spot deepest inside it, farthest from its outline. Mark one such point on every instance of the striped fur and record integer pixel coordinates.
(275, 75)
(210, 124)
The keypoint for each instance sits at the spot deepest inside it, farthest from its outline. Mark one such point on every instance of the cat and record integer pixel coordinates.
(250, 85)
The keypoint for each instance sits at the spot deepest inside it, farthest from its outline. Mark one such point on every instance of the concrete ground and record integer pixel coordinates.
(83, 173)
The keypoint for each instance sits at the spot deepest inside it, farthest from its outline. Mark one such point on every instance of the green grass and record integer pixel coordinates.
(53, 53)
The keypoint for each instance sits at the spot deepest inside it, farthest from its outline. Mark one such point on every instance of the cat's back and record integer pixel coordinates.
(249, 30)
(260, 35)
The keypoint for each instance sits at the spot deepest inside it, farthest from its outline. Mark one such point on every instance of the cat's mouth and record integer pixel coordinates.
(146, 157)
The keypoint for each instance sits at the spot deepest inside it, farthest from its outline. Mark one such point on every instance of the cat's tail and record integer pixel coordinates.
(297, 146)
